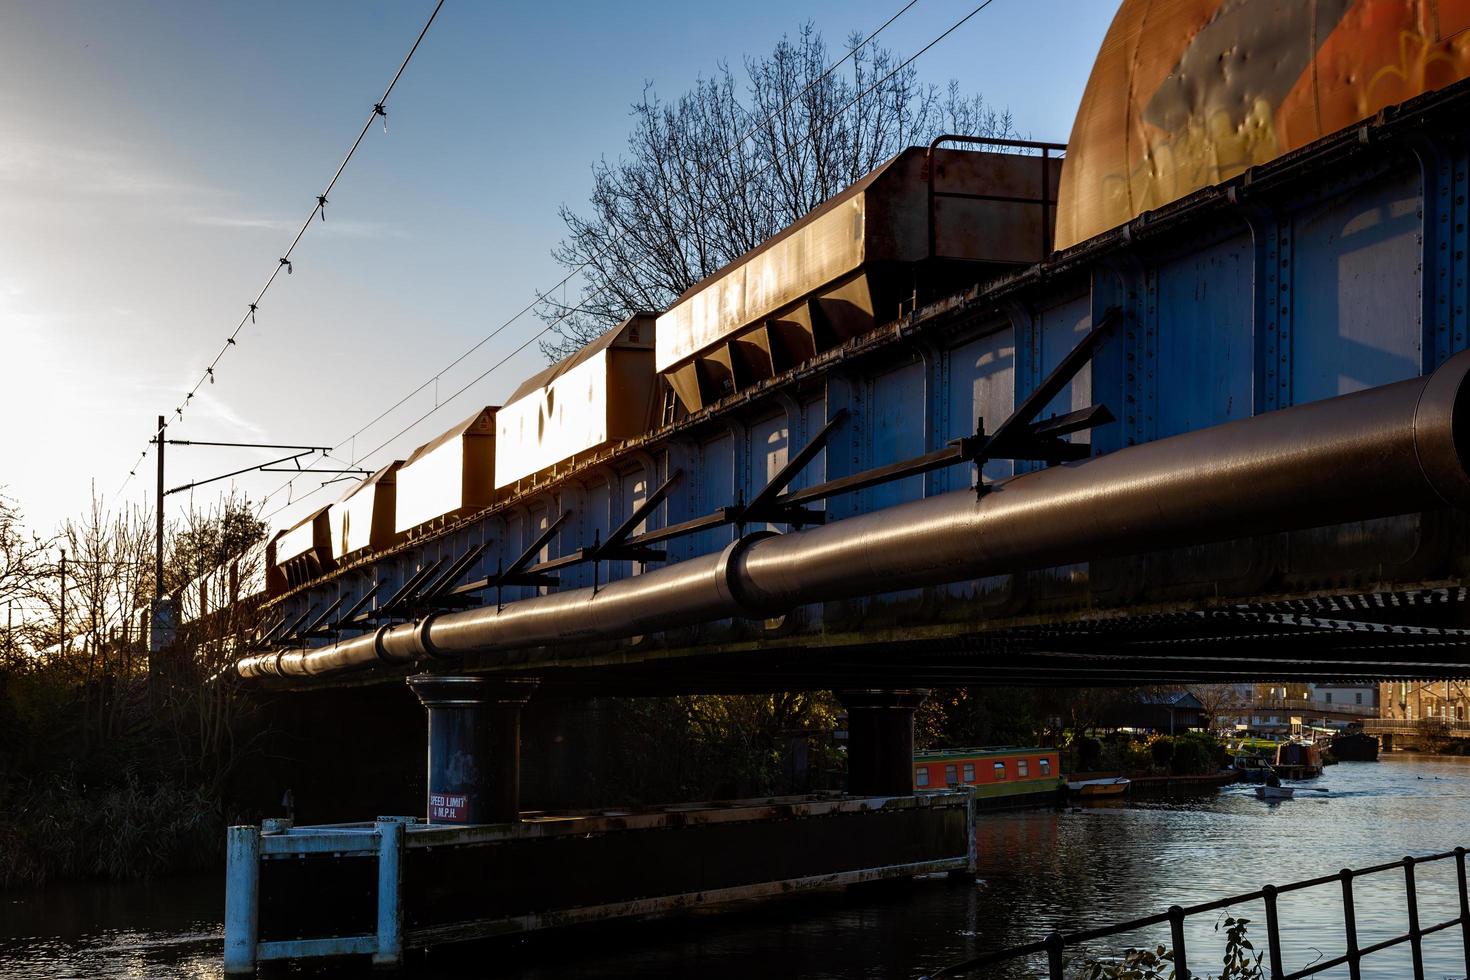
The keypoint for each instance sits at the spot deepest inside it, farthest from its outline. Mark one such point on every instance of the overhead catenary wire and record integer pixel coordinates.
(378, 111)
(549, 327)
(434, 379)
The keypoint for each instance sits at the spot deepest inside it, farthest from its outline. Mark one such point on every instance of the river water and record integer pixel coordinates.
(1039, 870)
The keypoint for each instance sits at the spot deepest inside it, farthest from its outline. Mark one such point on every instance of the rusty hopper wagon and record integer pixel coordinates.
(365, 518)
(922, 224)
(601, 395)
(448, 476)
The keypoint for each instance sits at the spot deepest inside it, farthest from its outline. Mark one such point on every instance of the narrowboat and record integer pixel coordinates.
(1002, 776)
(1355, 745)
(1298, 760)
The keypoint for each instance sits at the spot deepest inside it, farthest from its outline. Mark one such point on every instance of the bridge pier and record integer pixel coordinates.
(474, 746)
(880, 740)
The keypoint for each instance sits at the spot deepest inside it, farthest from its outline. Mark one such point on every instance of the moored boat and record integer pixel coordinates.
(1355, 745)
(1274, 792)
(1104, 786)
(1252, 768)
(1002, 776)
(1298, 760)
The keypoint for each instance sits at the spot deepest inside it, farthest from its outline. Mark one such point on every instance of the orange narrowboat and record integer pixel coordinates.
(1001, 775)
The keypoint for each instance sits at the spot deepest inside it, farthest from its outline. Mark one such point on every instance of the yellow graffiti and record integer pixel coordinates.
(1373, 65)
(1417, 54)
(1210, 148)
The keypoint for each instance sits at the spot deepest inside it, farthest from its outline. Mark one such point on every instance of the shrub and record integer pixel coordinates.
(1089, 752)
(63, 828)
(1192, 757)
(1162, 751)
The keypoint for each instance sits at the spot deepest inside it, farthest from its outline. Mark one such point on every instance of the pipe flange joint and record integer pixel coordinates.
(728, 582)
(380, 650)
(422, 641)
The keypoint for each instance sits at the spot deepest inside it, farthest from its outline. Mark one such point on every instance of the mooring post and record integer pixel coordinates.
(880, 741)
(474, 746)
(390, 890)
(242, 898)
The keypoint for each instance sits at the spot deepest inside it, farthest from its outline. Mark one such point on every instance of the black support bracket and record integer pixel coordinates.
(769, 505)
(357, 607)
(1023, 436)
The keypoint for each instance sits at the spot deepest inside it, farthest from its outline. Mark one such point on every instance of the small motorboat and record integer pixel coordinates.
(1108, 786)
(1274, 792)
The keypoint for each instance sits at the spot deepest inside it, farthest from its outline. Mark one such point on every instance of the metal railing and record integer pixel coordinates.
(1304, 706)
(1416, 726)
(1055, 945)
(1047, 155)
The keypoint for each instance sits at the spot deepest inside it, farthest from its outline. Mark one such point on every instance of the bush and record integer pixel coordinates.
(64, 829)
(1192, 757)
(1089, 752)
(1162, 751)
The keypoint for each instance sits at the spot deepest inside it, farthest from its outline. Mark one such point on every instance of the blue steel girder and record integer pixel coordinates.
(1307, 277)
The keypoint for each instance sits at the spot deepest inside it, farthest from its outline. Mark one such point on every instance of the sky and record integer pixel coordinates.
(157, 158)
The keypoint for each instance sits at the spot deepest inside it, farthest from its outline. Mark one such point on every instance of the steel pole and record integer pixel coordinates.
(158, 529)
(61, 644)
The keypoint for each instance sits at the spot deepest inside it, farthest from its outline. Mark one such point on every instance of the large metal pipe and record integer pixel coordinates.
(1395, 449)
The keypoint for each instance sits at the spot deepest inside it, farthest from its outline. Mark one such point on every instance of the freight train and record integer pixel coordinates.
(1244, 276)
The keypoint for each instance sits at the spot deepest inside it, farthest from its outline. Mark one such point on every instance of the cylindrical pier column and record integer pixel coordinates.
(474, 746)
(880, 740)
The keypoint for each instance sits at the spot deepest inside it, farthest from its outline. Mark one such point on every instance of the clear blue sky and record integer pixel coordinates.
(156, 158)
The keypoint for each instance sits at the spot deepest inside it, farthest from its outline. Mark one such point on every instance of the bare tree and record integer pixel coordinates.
(24, 563)
(1218, 700)
(713, 174)
(203, 540)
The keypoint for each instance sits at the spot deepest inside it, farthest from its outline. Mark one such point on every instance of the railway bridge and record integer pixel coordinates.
(1003, 412)
(1253, 368)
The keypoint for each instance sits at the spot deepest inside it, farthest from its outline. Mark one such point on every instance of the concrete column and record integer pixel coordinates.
(880, 740)
(474, 746)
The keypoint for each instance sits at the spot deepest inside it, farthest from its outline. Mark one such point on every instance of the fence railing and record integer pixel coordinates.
(1305, 707)
(1417, 726)
(1055, 945)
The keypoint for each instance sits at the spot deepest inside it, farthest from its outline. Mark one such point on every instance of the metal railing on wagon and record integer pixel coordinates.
(1055, 945)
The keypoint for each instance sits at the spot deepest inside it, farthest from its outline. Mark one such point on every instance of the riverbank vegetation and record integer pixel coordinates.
(1068, 719)
(1241, 960)
(113, 762)
(1189, 754)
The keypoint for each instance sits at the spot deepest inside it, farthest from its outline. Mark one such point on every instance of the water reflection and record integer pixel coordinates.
(160, 929)
(1039, 870)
